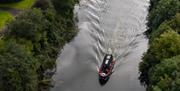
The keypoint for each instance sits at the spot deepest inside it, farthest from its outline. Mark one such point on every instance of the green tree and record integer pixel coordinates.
(166, 75)
(42, 4)
(64, 7)
(153, 3)
(28, 26)
(43, 33)
(31, 44)
(17, 68)
(166, 46)
(164, 10)
(173, 24)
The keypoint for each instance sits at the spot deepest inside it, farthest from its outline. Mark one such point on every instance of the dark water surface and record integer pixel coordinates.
(114, 26)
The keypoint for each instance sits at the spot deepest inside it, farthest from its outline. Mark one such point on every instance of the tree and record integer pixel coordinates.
(173, 25)
(166, 75)
(17, 68)
(164, 10)
(28, 26)
(153, 3)
(42, 4)
(159, 69)
(43, 33)
(166, 46)
(31, 45)
(64, 7)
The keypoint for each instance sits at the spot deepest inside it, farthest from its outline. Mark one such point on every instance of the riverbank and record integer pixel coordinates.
(159, 70)
(29, 47)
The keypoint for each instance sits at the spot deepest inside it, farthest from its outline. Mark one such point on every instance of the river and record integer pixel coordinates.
(114, 26)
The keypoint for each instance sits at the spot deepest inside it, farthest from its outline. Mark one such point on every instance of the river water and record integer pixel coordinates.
(105, 26)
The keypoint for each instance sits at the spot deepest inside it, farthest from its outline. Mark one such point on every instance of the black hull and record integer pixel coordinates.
(103, 80)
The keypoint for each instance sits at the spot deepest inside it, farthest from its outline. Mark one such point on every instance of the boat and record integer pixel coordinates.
(106, 69)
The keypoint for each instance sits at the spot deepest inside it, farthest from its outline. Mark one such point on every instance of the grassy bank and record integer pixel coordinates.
(7, 9)
(24, 4)
(4, 18)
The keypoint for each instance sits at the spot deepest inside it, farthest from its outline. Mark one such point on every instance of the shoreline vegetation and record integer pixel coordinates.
(160, 70)
(31, 43)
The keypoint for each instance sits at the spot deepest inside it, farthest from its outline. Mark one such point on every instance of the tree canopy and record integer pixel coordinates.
(31, 45)
(17, 68)
(166, 46)
(166, 76)
(162, 11)
(159, 70)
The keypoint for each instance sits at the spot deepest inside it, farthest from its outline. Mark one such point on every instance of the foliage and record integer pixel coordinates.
(42, 4)
(64, 5)
(166, 75)
(34, 27)
(166, 46)
(159, 69)
(31, 44)
(17, 68)
(173, 24)
(163, 10)
(41, 34)
(27, 25)
(153, 3)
